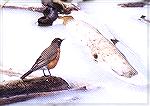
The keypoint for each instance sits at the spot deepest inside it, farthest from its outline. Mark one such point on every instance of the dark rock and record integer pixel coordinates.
(45, 21)
(50, 15)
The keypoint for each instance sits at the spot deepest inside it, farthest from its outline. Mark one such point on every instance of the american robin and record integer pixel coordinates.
(48, 58)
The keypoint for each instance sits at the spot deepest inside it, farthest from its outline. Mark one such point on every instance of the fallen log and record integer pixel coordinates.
(27, 86)
(20, 90)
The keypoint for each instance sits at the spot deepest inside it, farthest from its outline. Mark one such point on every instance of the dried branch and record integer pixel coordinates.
(30, 8)
(133, 4)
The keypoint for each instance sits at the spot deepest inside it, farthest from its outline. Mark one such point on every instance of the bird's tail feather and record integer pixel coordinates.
(26, 74)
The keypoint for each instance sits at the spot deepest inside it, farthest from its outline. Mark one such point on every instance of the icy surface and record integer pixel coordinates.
(22, 41)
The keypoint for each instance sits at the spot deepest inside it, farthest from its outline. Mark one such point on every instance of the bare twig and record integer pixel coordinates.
(35, 9)
(134, 4)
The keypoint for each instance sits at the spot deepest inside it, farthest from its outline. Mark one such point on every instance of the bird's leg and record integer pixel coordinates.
(44, 73)
(49, 72)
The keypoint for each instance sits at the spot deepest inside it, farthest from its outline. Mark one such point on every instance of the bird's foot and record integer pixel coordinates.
(47, 75)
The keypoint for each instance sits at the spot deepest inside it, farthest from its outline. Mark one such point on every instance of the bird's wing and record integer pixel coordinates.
(45, 57)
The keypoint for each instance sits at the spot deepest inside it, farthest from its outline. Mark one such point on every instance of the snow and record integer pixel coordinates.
(22, 41)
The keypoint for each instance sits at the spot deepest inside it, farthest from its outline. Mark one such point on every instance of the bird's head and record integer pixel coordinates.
(58, 41)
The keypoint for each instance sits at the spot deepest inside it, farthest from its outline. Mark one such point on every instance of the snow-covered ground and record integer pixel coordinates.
(22, 41)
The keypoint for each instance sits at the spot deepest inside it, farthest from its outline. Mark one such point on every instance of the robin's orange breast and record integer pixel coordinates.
(54, 62)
